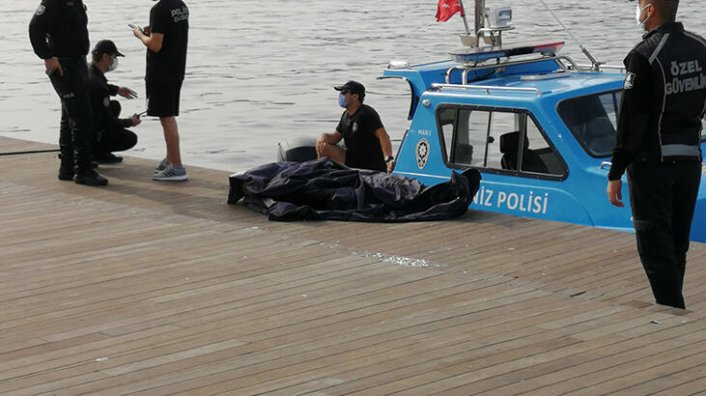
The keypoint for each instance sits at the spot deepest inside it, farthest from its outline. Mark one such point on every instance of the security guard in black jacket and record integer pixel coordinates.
(659, 132)
(59, 35)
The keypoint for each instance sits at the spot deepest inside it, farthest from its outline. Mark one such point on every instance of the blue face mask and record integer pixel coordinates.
(342, 100)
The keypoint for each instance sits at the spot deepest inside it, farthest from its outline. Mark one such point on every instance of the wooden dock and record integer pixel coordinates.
(155, 288)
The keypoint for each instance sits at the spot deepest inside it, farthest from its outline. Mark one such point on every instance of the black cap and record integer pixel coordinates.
(106, 47)
(353, 87)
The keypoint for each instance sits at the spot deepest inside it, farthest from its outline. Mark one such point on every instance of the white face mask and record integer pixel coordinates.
(113, 65)
(638, 14)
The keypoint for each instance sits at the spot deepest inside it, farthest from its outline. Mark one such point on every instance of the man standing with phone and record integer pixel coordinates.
(166, 40)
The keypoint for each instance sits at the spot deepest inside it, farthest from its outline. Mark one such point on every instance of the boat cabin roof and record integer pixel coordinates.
(529, 76)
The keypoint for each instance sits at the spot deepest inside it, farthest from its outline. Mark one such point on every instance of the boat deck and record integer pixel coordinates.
(156, 288)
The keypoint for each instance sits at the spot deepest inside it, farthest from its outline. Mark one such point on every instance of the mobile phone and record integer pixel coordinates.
(135, 27)
(140, 114)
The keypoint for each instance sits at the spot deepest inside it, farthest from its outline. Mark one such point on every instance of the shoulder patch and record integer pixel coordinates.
(40, 10)
(629, 80)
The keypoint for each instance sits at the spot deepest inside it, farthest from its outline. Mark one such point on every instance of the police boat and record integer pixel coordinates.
(539, 127)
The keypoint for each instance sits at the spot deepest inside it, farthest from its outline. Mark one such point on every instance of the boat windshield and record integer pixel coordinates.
(593, 121)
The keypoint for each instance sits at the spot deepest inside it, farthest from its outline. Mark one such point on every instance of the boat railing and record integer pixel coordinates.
(488, 88)
(485, 66)
(465, 69)
(584, 67)
(566, 64)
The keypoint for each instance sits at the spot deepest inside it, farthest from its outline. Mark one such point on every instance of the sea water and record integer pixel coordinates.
(259, 72)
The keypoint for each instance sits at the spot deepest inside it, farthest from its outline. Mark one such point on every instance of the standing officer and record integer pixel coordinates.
(59, 35)
(659, 128)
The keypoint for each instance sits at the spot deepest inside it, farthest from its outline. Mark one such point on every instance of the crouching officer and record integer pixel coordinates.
(59, 35)
(111, 134)
(664, 100)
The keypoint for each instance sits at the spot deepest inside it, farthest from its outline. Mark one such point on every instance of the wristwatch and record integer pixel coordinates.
(389, 159)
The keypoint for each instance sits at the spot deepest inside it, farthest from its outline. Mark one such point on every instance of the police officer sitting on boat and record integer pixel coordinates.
(659, 133)
(367, 143)
(59, 35)
(111, 134)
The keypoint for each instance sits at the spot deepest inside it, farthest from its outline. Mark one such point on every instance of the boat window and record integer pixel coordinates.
(593, 121)
(498, 140)
(447, 121)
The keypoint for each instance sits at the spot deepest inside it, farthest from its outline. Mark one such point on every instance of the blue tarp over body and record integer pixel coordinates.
(326, 190)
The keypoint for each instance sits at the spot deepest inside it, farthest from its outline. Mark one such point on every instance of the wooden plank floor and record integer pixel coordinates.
(154, 289)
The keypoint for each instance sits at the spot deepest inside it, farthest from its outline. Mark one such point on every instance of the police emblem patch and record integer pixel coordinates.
(40, 10)
(629, 80)
(422, 153)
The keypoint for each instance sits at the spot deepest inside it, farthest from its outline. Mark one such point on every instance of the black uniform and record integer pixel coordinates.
(659, 131)
(59, 29)
(111, 134)
(166, 68)
(363, 150)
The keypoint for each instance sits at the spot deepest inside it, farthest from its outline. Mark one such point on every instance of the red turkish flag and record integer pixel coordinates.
(447, 9)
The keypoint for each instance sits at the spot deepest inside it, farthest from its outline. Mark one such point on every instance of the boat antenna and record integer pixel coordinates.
(595, 65)
(463, 14)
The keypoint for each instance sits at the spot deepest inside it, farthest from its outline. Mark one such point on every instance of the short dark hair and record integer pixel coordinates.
(667, 8)
(98, 55)
(361, 96)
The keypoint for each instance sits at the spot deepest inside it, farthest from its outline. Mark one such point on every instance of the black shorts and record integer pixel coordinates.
(163, 99)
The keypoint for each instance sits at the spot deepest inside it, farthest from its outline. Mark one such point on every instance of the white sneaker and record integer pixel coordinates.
(171, 173)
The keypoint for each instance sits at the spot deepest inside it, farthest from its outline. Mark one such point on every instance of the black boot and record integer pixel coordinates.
(90, 178)
(66, 173)
(66, 168)
(85, 173)
(107, 158)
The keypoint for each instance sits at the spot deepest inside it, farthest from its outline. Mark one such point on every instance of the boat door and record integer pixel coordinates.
(523, 173)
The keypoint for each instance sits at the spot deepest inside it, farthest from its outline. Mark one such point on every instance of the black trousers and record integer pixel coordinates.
(114, 139)
(77, 129)
(663, 196)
